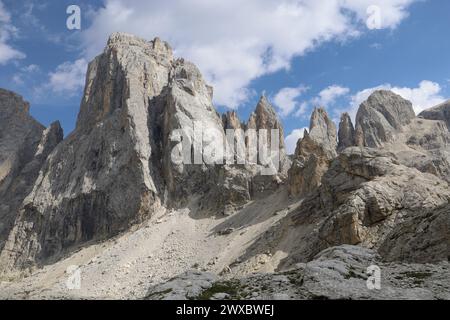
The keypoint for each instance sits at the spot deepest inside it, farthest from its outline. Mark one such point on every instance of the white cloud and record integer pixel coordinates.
(4, 15)
(301, 109)
(425, 96)
(234, 42)
(376, 46)
(31, 68)
(68, 78)
(391, 12)
(287, 99)
(17, 79)
(292, 138)
(329, 95)
(7, 53)
(7, 30)
(26, 74)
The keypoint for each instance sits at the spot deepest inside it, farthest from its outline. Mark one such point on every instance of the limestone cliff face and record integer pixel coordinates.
(100, 179)
(140, 105)
(24, 146)
(384, 186)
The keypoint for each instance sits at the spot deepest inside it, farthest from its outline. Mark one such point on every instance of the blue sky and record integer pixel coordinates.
(300, 53)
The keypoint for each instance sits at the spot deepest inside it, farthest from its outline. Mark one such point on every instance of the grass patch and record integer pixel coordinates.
(417, 277)
(229, 287)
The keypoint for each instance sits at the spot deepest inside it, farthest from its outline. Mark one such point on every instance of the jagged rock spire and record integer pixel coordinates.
(313, 154)
(265, 117)
(230, 120)
(24, 147)
(323, 130)
(346, 132)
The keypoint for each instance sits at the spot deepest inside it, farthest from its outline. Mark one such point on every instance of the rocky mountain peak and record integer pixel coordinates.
(118, 180)
(322, 129)
(313, 154)
(440, 112)
(24, 147)
(346, 132)
(230, 120)
(264, 107)
(121, 40)
(265, 117)
(382, 115)
(12, 104)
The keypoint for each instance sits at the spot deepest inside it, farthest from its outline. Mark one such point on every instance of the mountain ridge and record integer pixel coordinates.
(381, 185)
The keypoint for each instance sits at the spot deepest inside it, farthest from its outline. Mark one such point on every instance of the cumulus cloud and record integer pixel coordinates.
(292, 138)
(286, 100)
(233, 47)
(7, 30)
(329, 95)
(26, 74)
(391, 13)
(427, 95)
(68, 78)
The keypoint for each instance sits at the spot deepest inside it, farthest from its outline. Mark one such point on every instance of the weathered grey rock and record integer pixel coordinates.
(346, 132)
(382, 115)
(117, 168)
(313, 154)
(105, 175)
(323, 131)
(265, 117)
(24, 146)
(184, 109)
(140, 107)
(187, 286)
(425, 145)
(440, 112)
(335, 273)
(368, 198)
(231, 120)
(373, 197)
(269, 176)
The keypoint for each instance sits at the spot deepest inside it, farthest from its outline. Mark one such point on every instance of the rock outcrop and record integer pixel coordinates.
(346, 133)
(102, 178)
(230, 120)
(149, 150)
(270, 156)
(440, 112)
(24, 146)
(313, 154)
(147, 135)
(368, 198)
(381, 116)
(372, 198)
(336, 273)
(265, 117)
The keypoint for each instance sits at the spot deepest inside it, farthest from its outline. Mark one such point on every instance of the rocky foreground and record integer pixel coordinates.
(109, 200)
